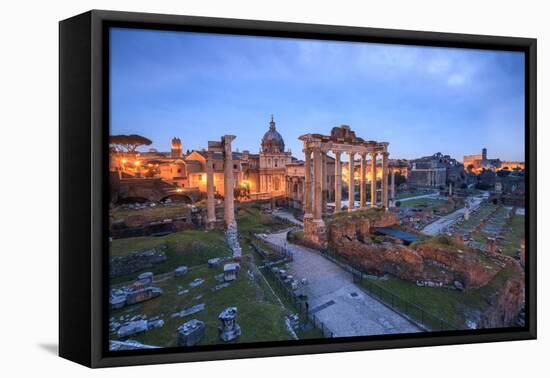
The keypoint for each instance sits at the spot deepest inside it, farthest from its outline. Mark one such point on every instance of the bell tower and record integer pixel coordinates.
(177, 148)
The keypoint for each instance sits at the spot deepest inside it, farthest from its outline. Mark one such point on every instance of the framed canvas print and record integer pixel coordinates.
(234, 188)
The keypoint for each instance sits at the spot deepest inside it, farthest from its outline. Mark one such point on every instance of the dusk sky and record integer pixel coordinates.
(421, 100)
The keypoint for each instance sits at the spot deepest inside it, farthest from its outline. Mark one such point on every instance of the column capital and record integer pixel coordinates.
(228, 138)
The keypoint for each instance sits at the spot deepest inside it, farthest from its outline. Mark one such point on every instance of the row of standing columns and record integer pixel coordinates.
(315, 193)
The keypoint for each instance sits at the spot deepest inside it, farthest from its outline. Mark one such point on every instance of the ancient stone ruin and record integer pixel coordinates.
(442, 261)
(180, 271)
(229, 329)
(341, 141)
(141, 290)
(191, 332)
(224, 146)
(231, 271)
(135, 261)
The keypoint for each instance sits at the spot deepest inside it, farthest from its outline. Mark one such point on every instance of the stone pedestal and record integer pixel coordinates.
(191, 332)
(229, 329)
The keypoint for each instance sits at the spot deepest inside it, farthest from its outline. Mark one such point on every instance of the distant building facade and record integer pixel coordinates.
(477, 163)
(435, 171)
(273, 162)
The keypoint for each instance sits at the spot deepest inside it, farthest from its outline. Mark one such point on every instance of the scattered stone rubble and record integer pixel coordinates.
(221, 286)
(191, 332)
(135, 261)
(115, 345)
(214, 262)
(180, 271)
(232, 237)
(189, 311)
(138, 326)
(196, 282)
(141, 290)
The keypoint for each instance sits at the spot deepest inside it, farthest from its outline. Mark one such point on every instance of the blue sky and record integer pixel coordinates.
(421, 100)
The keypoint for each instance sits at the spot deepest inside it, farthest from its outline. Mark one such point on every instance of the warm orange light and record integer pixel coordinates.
(123, 161)
(137, 163)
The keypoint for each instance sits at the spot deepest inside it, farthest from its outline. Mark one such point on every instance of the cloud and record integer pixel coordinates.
(456, 80)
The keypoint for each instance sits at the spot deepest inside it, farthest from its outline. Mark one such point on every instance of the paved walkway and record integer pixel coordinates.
(288, 216)
(430, 195)
(444, 222)
(333, 297)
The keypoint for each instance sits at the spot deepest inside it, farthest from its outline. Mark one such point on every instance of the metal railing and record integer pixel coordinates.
(409, 309)
(299, 304)
(396, 303)
(284, 251)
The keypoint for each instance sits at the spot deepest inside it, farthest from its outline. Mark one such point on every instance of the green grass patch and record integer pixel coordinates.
(512, 238)
(441, 241)
(190, 247)
(253, 220)
(482, 212)
(295, 236)
(452, 306)
(260, 317)
(157, 213)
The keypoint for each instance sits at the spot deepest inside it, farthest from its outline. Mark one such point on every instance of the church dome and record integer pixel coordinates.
(272, 142)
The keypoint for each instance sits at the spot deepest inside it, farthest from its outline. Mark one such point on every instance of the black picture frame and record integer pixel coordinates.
(83, 196)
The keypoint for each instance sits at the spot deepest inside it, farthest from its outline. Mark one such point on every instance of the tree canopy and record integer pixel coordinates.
(128, 143)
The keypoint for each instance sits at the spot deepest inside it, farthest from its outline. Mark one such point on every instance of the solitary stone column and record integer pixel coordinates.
(363, 189)
(385, 179)
(308, 213)
(351, 183)
(392, 200)
(229, 206)
(317, 197)
(210, 205)
(337, 182)
(373, 179)
(324, 191)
